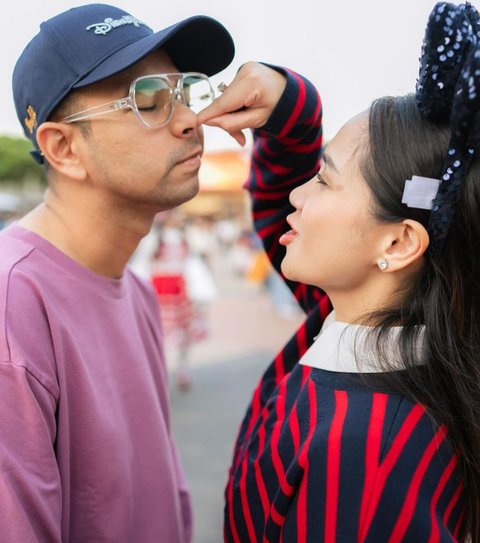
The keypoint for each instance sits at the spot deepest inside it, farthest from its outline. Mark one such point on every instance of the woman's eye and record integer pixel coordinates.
(320, 179)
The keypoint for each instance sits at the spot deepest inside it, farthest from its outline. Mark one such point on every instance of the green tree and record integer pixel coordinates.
(16, 163)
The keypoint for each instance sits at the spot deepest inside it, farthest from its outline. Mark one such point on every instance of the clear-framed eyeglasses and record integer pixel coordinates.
(152, 98)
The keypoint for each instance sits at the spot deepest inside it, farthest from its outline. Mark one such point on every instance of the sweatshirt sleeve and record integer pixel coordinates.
(30, 491)
(286, 154)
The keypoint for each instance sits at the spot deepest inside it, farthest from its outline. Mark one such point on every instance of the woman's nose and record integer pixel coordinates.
(297, 196)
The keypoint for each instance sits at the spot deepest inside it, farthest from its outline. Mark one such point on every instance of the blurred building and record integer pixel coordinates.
(222, 176)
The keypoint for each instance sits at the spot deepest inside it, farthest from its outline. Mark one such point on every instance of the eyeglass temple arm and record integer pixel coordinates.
(91, 112)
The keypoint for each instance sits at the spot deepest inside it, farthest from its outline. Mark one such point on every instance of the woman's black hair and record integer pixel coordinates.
(444, 296)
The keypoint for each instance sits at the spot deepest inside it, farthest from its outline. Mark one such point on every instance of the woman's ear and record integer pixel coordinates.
(408, 242)
(59, 145)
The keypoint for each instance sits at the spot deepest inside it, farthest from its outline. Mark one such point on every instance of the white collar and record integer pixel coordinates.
(343, 347)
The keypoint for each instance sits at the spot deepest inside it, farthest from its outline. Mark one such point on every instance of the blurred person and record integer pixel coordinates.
(241, 256)
(259, 269)
(184, 286)
(202, 290)
(168, 278)
(227, 233)
(366, 425)
(200, 238)
(87, 452)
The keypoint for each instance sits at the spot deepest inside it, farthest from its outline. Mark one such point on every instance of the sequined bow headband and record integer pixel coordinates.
(448, 89)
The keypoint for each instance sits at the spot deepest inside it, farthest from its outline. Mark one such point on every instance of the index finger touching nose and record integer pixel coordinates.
(213, 110)
(231, 100)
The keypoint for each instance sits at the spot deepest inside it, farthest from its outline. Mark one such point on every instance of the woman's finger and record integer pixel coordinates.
(239, 120)
(229, 102)
(239, 137)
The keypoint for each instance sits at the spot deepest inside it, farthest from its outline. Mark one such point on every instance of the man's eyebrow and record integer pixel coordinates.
(329, 162)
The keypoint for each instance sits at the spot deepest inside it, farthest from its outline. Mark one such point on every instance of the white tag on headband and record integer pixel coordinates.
(419, 192)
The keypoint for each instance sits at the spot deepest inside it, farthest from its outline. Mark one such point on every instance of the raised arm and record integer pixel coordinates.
(285, 111)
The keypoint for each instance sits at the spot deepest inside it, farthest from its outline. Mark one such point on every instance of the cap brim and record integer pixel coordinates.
(199, 44)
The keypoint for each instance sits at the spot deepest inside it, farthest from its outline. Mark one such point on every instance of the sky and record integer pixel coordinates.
(352, 50)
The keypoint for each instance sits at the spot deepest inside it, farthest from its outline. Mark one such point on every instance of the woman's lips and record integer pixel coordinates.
(288, 237)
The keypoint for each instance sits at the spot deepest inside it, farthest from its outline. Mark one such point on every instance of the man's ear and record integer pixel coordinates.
(59, 143)
(408, 242)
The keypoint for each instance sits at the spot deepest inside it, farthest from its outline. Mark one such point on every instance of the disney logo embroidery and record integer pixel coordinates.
(31, 120)
(109, 24)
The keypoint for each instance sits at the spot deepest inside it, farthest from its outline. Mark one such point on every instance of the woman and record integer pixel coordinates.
(371, 432)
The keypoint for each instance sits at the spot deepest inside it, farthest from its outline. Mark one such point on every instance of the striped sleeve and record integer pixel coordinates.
(286, 154)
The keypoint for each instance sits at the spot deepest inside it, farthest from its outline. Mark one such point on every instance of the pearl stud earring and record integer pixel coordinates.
(382, 264)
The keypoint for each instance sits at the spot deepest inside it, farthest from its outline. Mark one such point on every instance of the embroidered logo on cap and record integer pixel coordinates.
(109, 24)
(31, 120)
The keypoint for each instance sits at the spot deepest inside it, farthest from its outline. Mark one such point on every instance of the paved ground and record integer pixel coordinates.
(245, 334)
(205, 422)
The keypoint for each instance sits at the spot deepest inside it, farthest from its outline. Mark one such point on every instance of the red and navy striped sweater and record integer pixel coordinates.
(321, 456)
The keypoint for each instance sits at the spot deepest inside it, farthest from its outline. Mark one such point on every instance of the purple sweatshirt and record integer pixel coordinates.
(86, 449)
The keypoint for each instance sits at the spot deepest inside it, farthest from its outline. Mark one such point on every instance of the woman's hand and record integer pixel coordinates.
(247, 102)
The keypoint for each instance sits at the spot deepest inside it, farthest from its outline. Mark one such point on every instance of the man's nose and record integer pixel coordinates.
(184, 120)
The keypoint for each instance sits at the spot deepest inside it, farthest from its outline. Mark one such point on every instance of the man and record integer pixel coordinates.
(86, 447)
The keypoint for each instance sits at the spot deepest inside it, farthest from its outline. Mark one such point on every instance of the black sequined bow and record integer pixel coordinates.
(448, 89)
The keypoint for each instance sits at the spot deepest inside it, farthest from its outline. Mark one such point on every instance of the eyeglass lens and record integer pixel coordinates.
(153, 97)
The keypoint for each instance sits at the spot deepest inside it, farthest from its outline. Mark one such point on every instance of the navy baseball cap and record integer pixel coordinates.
(92, 42)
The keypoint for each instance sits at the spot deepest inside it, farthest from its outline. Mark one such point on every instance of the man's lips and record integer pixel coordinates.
(193, 160)
(195, 155)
